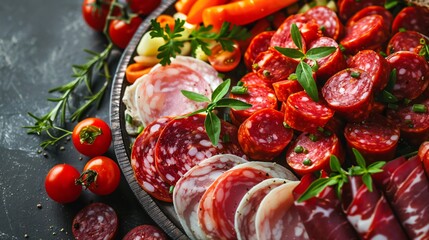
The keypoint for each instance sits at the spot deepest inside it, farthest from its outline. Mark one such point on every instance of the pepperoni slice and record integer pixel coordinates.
(285, 88)
(260, 43)
(252, 78)
(412, 18)
(96, 221)
(347, 8)
(423, 154)
(273, 66)
(405, 41)
(327, 20)
(372, 10)
(263, 136)
(145, 232)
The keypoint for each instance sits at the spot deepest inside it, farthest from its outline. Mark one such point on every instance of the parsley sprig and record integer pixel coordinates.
(212, 123)
(201, 37)
(304, 72)
(339, 176)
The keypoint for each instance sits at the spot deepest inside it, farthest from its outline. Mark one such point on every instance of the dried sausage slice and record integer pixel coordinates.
(372, 10)
(327, 20)
(348, 8)
(405, 41)
(412, 18)
(260, 43)
(145, 232)
(285, 88)
(273, 66)
(252, 78)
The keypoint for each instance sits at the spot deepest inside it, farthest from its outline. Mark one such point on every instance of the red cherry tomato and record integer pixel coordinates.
(101, 175)
(95, 12)
(60, 183)
(92, 137)
(143, 7)
(224, 61)
(121, 32)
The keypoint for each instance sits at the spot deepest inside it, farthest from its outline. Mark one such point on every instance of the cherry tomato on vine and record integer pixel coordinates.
(95, 12)
(60, 183)
(143, 7)
(92, 137)
(121, 32)
(101, 175)
(224, 61)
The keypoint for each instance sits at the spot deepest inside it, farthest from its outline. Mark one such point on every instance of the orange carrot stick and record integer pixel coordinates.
(183, 6)
(165, 19)
(195, 15)
(135, 71)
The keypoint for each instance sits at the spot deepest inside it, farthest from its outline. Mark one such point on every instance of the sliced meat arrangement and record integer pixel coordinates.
(412, 18)
(348, 8)
(260, 43)
(327, 20)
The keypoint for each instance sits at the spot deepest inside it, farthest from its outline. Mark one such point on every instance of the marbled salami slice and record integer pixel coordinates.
(191, 187)
(423, 154)
(304, 114)
(348, 8)
(277, 217)
(184, 142)
(285, 88)
(263, 136)
(405, 41)
(252, 78)
(327, 20)
(273, 66)
(412, 18)
(260, 43)
(97, 221)
(145, 232)
(372, 10)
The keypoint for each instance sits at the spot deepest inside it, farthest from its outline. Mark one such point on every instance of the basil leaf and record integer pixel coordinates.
(356, 170)
(388, 97)
(221, 90)
(359, 158)
(212, 125)
(319, 52)
(195, 96)
(376, 165)
(290, 52)
(296, 36)
(305, 78)
(334, 163)
(317, 187)
(233, 103)
(367, 180)
(192, 113)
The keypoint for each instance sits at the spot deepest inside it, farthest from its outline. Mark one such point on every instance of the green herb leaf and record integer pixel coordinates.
(193, 113)
(334, 163)
(233, 103)
(388, 97)
(305, 78)
(392, 80)
(419, 108)
(239, 90)
(296, 36)
(319, 52)
(195, 96)
(212, 125)
(221, 90)
(391, 4)
(317, 187)
(367, 180)
(359, 158)
(376, 167)
(290, 52)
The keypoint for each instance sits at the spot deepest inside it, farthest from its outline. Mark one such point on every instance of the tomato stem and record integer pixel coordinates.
(87, 178)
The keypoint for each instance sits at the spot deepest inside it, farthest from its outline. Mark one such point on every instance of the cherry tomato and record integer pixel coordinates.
(224, 61)
(60, 183)
(101, 175)
(121, 32)
(143, 7)
(95, 12)
(92, 137)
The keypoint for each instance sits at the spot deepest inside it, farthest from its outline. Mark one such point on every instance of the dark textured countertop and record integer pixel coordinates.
(39, 41)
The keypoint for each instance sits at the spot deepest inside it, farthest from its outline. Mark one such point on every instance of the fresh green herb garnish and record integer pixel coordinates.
(424, 51)
(420, 108)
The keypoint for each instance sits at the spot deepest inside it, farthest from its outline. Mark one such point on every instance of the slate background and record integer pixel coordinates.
(39, 41)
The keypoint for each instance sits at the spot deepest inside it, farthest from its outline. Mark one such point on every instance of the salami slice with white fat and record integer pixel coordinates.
(191, 187)
(405, 41)
(97, 221)
(372, 10)
(327, 20)
(412, 18)
(145, 232)
(277, 217)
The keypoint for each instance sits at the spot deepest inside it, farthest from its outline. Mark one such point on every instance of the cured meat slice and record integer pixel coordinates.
(184, 142)
(273, 66)
(191, 187)
(260, 43)
(423, 154)
(143, 161)
(412, 74)
(259, 96)
(350, 93)
(327, 20)
(145, 232)
(372, 10)
(304, 114)
(375, 65)
(285, 88)
(263, 136)
(322, 215)
(405, 41)
(311, 152)
(369, 32)
(331, 64)
(96, 221)
(381, 179)
(369, 212)
(348, 8)
(219, 203)
(412, 18)
(252, 78)
(376, 138)
(277, 217)
(244, 220)
(414, 125)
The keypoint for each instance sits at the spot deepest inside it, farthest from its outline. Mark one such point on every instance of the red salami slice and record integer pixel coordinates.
(311, 152)
(278, 217)
(376, 138)
(273, 66)
(191, 187)
(412, 18)
(260, 43)
(369, 32)
(259, 96)
(375, 65)
(347, 8)
(350, 94)
(96, 221)
(327, 20)
(263, 136)
(412, 73)
(285, 88)
(252, 78)
(405, 41)
(372, 10)
(184, 142)
(423, 154)
(145, 232)
(304, 114)
(143, 161)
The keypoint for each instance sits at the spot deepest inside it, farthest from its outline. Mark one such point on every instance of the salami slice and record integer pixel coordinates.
(191, 187)
(143, 161)
(412, 18)
(277, 217)
(369, 32)
(376, 138)
(375, 65)
(405, 41)
(347, 8)
(246, 211)
(372, 10)
(327, 20)
(273, 66)
(412, 74)
(285, 88)
(96, 221)
(423, 154)
(304, 114)
(350, 94)
(263, 136)
(184, 142)
(311, 152)
(260, 43)
(145, 232)
(252, 78)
